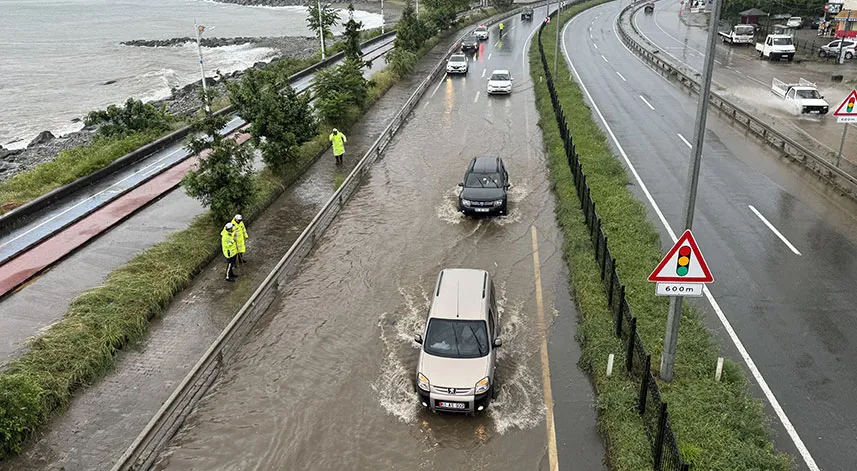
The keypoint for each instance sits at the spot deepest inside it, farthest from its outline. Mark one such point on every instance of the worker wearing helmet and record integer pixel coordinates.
(338, 140)
(227, 243)
(240, 232)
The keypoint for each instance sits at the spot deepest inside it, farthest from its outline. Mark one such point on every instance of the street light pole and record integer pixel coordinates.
(556, 51)
(199, 30)
(674, 317)
(382, 17)
(320, 27)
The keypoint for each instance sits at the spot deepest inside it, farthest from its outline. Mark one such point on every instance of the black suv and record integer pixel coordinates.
(527, 14)
(484, 188)
(469, 43)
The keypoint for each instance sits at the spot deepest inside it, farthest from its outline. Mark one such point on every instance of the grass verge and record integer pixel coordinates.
(82, 347)
(719, 425)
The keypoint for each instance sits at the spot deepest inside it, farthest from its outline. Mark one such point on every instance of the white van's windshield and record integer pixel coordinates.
(453, 338)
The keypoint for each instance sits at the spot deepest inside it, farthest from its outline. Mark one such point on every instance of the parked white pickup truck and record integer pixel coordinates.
(777, 46)
(803, 97)
(739, 34)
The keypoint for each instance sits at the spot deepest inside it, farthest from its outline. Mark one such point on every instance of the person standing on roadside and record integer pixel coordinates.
(338, 140)
(227, 243)
(240, 236)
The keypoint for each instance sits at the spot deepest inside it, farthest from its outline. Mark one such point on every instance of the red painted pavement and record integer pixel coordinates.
(28, 264)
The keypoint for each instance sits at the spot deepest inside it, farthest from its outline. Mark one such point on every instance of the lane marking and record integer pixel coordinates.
(596, 45)
(647, 103)
(443, 79)
(620, 76)
(483, 72)
(489, 56)
(774, 230)
(476, 98)
(605, 59)
(745, 355)
(546, 372)
(686, 142)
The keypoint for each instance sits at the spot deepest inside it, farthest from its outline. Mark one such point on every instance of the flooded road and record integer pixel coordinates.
(325, 380)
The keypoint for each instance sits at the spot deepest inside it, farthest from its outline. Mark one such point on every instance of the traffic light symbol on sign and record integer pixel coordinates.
(683, 265)
(850, 104)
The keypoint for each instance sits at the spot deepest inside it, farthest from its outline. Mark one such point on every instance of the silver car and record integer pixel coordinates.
(455, 372)
(457, 64)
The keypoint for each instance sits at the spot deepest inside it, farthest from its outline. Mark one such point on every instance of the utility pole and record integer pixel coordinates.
(199, 30)
(674, 317)
(320, 27)
(418, 7)
(556, 51)
(382, 17)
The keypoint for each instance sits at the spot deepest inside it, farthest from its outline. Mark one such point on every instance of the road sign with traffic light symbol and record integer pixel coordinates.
(683, 263)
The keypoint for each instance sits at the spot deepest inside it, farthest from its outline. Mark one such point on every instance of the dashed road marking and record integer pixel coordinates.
(774, 230)
(686, 142)
(620, 76)
(647, 103)
(476, 98)
(605, 59)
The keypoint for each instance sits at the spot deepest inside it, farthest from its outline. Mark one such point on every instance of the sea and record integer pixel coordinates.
(59, 59)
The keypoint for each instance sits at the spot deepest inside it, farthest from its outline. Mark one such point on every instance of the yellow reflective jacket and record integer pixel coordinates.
(227, 243)
(338, 141)
(240, 232)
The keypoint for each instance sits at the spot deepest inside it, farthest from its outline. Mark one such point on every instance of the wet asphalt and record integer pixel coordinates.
(325, 380)
(740, 75)
(792, 309)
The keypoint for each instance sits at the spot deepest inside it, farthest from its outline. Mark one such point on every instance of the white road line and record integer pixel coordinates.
(717, 62)
(751, 365)
(620, 76)
(106, 190)
(605, 59)
(476, 98)
(647, 103)
(553, 459)
(686, 142)
(596, 45)
(775, 231)
(483, 72)
(737, 71)
(489, 56)
(443, 79)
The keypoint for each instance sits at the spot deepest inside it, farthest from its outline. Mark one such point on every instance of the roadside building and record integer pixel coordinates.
(845, 19)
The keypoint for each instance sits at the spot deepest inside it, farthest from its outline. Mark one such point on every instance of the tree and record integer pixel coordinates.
(441, 13)
(280, 119)
(401, 61)
(352, 36)
(135, 116)
(321, 24)
(222, 181)
(340, 92)
(411, 31)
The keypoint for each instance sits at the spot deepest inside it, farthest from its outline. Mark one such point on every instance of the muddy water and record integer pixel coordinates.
(325, 381)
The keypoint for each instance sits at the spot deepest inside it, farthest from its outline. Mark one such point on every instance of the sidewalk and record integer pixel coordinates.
(104, 419)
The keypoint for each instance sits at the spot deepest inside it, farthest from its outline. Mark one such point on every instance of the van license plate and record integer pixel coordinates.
(481, 210)
(451, 405)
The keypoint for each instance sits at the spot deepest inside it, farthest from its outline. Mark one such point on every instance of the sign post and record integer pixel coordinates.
(682, 272)
(846, 113)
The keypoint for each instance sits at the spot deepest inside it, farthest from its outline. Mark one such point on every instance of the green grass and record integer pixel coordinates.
(719, 425)
(67, 167)
(82, 347)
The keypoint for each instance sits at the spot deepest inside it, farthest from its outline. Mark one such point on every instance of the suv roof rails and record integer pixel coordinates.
(439, 279)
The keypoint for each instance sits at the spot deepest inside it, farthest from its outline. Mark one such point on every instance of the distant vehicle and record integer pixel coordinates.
(803, 97)
(650, 7)
(469, 43)
(457, 64)
(481, 32)
(500, 81)
(776, 47)
(455, 371)
(832, 49)
(738, 34)
(795, 22)
(527, 13)
(485, 186)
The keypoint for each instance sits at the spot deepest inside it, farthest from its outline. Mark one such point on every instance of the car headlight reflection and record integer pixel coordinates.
(482, 385)
(465, 202)
(498, 203)
(423, 382)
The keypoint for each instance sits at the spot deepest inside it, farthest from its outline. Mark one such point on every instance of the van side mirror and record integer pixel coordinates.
(418, 338)
(460, 183)
(508, 185)
(498, 342)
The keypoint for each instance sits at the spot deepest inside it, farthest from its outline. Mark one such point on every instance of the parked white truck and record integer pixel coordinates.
(739, 34)
(802, 97)
(776, 47)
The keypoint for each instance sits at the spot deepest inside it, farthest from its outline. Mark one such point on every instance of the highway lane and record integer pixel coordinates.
(326, 380)
(106, 190)
(743, 77)
(781, 248)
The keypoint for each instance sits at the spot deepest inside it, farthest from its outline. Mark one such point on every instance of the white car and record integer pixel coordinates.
(849, 48)
(457, 64)
(500, 82)
(794, 22)
(481, 32)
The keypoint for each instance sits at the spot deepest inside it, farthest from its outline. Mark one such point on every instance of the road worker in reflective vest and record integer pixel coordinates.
(338, 140)
(227, 243)
(240, 232)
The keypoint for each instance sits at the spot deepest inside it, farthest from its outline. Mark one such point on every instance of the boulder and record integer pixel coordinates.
(43, 137)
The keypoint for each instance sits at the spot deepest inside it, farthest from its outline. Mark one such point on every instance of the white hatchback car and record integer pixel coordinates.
(500, 82)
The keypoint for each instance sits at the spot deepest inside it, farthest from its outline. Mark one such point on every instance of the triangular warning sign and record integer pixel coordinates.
(848, 107)
(683, 264)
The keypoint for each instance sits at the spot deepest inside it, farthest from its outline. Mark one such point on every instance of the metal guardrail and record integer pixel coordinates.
(143, 452)
(786, 146)
(666, 455)
(18, 216)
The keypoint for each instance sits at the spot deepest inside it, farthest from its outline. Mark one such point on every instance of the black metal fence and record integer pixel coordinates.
(653, 410)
